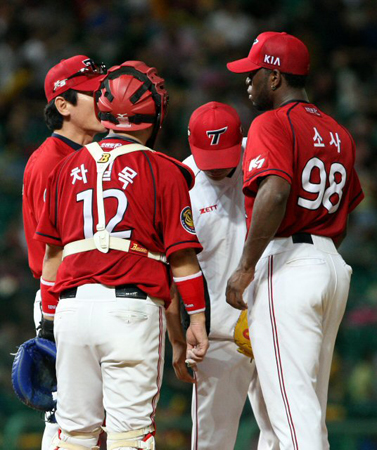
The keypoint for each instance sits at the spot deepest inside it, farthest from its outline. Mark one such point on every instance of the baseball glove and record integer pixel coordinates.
(34, 374)
(241, 336)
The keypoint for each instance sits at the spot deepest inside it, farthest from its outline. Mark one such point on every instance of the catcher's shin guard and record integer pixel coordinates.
(141, 439)
(76, 441)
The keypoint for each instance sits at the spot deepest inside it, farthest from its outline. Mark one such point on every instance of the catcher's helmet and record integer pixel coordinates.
(132, 97)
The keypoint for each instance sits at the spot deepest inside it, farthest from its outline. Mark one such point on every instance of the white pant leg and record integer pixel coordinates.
(223, 379)
(50, 428)
(37, 310)
(50, 431)
(79, 379)
(223, 383)
(132, 364)
(267, 437)
(334, 312)
(110, 353)
(287, 317)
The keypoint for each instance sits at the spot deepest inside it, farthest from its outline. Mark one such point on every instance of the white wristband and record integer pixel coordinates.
(188, 277)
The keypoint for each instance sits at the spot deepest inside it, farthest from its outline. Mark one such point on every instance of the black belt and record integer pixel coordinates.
(302, 238)
(125, 291)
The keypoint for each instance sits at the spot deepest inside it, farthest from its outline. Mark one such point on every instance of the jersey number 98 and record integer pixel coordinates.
(329, 197)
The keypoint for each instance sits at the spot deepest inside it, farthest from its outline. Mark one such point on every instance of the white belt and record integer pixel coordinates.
(124, 245)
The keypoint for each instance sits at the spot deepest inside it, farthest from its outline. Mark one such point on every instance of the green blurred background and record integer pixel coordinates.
(190, 41)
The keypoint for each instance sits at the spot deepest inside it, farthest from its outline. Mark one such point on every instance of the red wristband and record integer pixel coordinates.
(191, 289)
(49, 299)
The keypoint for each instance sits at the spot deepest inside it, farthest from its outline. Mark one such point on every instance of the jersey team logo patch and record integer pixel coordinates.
(256, 163)
(60, 83)
(104, 158)
(187, 220)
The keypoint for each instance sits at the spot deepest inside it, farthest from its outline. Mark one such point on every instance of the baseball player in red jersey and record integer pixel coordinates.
(70, 115)
(115, 212)
(300, 185)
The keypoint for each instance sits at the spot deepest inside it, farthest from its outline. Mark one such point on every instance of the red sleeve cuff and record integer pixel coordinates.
(358, 199)
(251, 184)
(184, 244)
(47, 239)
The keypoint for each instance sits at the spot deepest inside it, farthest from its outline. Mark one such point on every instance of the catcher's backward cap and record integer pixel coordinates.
(215, 136)
(34, 374)
(66, 75)
(272, 50)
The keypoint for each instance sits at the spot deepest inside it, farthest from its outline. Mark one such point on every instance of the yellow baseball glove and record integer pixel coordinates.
(241, 336)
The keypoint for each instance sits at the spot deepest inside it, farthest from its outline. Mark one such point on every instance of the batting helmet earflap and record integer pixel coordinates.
(132, 97)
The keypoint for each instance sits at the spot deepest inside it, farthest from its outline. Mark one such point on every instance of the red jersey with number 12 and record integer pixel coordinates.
(146, 200)
(316, 155)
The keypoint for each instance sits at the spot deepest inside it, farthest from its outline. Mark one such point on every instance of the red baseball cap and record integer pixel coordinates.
(273, 50)
(79, 73)
(215, 136)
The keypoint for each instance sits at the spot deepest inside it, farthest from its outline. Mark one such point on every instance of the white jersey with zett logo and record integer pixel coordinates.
(219, 218)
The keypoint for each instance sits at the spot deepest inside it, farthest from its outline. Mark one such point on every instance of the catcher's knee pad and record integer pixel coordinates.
(141, 439)
(76, 441)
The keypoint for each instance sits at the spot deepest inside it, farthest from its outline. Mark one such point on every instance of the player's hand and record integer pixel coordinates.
(179, 362)
(236, 286)
(197, 340)
(46, 328)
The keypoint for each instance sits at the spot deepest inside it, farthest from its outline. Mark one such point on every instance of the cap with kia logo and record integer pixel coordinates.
(79, 73)
(215, 136)
(272, 50)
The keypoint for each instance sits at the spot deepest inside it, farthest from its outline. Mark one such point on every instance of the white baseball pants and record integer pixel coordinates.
(50, 428)
(225, 379)
(296, 303)
(37, 310)
(110, 356)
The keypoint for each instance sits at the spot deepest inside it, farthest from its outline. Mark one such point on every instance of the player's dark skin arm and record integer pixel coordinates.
(268, 212)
